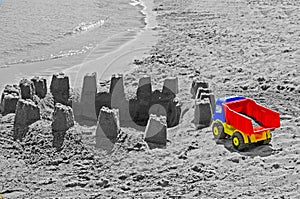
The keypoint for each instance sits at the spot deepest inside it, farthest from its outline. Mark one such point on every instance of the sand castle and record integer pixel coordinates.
(24, 101)
(211, 98)
(204, 103)
(62, 120)
(108, 128)
(60, 89)
(157, 102)
(201, 91)
(118, 100)
(111, 108)
(157, 110)
(40, 85)
(27, 112)
(197, 84)
(144, 88)
(156, 130)
(85, 108)
(27, 89)
(170, 86)
(203, 113)
(9, 99)
(137, 109)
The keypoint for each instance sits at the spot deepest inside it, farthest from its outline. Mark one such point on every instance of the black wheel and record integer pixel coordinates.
(238, 141)
(218, 130)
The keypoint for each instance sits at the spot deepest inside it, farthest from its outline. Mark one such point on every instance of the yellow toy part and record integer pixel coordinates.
(239, 139)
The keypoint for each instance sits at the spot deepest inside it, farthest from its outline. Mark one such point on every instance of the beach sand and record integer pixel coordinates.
(248, 48)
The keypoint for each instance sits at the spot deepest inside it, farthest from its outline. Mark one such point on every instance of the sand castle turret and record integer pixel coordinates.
(197, 84)
(62, 120)
(108, 128)
(27, 113)
(135, 110)
(59, 88)
(9, 103)
(200, 91)
(203, 113)
(27, 89)
(211, 97)
(9, 99)
(204, 103)
(144, 90)
(86, 106)
(117, 93)
(161, 103)
(156, 130)
(170, 104)
(170, 86)
(139, 106)
(40, 85)
(102, 99)
(117, 86)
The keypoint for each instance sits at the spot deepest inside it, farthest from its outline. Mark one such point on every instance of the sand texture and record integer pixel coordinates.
(240, 47)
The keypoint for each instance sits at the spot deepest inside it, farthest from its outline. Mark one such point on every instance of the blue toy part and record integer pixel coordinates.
(219, 109)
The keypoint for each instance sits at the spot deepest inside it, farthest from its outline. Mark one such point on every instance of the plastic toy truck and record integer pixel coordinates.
(244, 120)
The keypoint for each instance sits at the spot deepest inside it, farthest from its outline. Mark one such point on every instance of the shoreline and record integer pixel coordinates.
(118, 60)
(122, 47)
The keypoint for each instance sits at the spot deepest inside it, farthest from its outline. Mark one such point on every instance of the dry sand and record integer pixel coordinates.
(244, 47)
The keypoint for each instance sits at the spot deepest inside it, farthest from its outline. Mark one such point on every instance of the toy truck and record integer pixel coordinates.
(244, 121)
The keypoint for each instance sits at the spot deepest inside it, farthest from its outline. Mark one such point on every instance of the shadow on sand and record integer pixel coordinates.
(252, 150)
(156, 146)
(89, 122)
(132, 124)
(85, 121)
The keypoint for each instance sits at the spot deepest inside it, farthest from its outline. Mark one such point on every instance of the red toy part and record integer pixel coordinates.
(239, 113)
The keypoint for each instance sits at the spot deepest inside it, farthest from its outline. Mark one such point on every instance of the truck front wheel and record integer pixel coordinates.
(238, 141)
(218, 130)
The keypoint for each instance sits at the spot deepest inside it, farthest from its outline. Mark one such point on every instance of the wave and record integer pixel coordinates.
(59, 55)
(135, 3)
(83, 27)
(141, 4)
(39, 44)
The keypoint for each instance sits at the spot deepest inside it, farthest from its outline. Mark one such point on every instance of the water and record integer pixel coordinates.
(38, 31)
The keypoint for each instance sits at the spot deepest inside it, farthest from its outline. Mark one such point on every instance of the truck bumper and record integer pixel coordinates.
(265, 135)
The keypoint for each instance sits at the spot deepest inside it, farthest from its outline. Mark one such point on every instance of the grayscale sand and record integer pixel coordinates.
(245, 47)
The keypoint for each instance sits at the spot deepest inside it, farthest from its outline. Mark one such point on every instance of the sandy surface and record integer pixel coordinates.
(244, 47)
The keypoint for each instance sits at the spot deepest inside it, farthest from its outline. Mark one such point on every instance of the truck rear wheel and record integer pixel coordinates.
(238, 141)
(218, 130)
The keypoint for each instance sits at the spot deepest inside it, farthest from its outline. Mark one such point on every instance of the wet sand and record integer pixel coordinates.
(113, 55)
(116, 58)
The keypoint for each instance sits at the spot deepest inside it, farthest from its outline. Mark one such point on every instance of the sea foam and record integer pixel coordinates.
(85, 26)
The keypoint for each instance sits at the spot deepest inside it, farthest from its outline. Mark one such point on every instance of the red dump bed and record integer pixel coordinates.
(236, 113)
